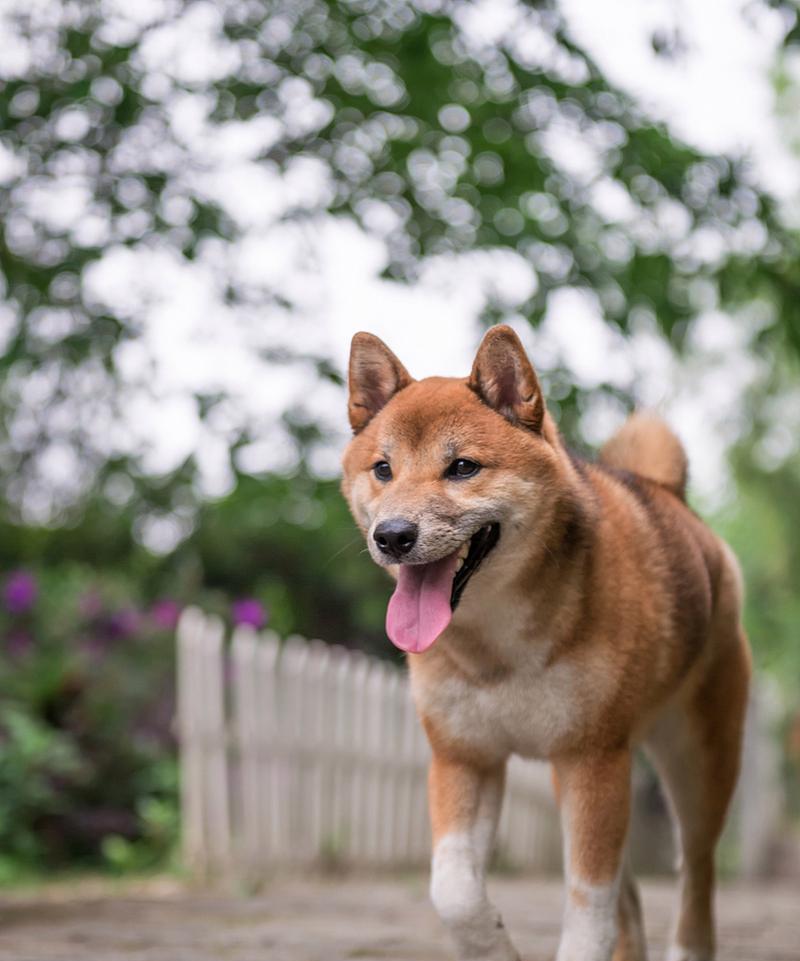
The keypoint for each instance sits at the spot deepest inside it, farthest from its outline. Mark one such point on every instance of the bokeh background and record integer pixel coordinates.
(201, 202)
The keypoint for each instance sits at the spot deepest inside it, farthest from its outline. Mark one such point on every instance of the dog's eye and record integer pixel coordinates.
(462, 468)
(382, 470)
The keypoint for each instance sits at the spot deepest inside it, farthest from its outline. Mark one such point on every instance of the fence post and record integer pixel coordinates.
(319, 743)
(250, 842)
(269, 761)
(213, 722)
(360, 759)
(189, 636)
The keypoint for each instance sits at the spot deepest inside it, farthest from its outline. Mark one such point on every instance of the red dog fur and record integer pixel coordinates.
(606, 617)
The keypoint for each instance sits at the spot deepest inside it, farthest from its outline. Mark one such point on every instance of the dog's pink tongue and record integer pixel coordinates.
(419, 609)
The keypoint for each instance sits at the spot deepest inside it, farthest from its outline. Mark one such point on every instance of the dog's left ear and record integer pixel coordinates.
(374, 377)
(502, 376)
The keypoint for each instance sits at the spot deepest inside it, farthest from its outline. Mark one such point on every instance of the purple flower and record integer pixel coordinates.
(19, 592)
(249, 611)
(165, 614)
(122, 623)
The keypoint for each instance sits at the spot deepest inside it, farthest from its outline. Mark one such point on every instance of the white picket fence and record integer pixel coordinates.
(297, 753)
(303, 754)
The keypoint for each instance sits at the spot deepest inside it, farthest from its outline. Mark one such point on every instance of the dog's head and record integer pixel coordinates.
(445, 476)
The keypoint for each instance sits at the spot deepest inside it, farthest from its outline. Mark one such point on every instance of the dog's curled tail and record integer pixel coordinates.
(645, 445)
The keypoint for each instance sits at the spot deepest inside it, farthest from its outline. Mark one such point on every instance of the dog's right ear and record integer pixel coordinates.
(374, 377)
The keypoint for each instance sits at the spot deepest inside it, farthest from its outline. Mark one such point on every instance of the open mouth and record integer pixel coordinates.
(427, 594)
(480, 545)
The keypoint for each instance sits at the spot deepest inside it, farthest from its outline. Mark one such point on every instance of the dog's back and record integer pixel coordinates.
(701, 574)
(675, 586)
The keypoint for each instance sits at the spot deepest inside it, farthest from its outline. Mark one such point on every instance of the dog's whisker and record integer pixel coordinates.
(341, 550)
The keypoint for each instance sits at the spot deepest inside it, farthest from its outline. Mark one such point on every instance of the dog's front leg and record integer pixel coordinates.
(595, 803)
(465, 804)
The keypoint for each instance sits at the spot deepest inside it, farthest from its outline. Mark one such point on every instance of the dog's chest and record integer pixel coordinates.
(533, 708)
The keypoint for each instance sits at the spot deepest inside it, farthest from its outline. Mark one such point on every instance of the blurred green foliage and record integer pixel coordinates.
(433, 139)
(430, 136)
(87, 769)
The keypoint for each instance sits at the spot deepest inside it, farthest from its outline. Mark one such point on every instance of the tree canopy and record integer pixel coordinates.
(434, 129)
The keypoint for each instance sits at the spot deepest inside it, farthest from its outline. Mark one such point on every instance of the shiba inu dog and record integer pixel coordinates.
(557, 609)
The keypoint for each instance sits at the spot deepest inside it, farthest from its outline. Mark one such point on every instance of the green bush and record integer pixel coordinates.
(87, 759)
(88, 772)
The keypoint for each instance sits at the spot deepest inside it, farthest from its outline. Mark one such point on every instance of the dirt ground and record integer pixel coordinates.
(334, 920)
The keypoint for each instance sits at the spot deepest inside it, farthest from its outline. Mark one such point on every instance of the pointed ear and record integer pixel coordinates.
(503, 378)
(375, 376)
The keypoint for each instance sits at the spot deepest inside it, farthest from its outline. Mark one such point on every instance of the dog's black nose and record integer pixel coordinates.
(395, 537)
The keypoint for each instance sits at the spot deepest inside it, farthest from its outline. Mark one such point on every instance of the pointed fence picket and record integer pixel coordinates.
(297, 753)
(203, 729)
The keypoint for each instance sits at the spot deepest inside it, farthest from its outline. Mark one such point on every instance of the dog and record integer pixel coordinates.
(556, 609)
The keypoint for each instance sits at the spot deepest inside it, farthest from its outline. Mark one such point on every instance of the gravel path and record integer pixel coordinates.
(335, 920)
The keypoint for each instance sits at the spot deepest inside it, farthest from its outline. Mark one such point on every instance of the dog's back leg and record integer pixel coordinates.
(465, 805)
(696, 747)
